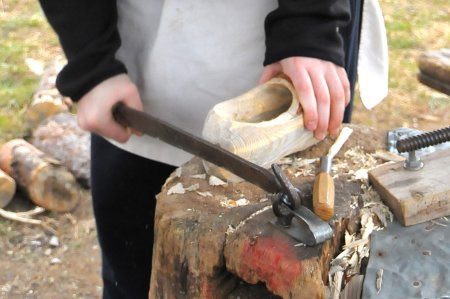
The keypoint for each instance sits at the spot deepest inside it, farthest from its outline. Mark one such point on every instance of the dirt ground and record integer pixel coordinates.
(62, 260)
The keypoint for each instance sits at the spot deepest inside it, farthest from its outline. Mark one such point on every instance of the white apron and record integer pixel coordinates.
(187, 56)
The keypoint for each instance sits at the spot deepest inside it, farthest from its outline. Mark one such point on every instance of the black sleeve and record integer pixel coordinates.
(307, 28)
(87, 30)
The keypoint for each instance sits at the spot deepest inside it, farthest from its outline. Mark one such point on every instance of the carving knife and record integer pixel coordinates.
(323, 190)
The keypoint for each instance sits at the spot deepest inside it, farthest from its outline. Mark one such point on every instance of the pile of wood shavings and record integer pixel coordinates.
(373, 216)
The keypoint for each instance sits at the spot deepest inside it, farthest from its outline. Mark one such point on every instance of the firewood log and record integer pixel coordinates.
(62, 138)
(434, 67)
(7, 189)
(47, 183)
(44, 104)
(47, 100)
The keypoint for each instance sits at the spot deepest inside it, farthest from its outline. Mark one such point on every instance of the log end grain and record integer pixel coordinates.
(44, 179)
(54, 188)
(43, 106)
(7, 189)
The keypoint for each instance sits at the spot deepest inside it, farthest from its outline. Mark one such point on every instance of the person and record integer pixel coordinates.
(175, 60)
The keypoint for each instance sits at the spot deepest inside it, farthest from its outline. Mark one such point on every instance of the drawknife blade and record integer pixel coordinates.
(208, 151)
(313, 230)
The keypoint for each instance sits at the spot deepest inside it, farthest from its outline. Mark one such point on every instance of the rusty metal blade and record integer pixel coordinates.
(197, 146)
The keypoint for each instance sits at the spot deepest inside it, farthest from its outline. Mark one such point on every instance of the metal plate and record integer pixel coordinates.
(415, 261)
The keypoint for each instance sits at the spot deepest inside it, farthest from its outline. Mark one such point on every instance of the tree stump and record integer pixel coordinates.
(211, 239)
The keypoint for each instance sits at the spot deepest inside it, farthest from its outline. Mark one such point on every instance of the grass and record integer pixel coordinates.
(412, 26)
(25, 34)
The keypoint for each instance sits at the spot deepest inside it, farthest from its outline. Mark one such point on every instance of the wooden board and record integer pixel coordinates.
(415, 196)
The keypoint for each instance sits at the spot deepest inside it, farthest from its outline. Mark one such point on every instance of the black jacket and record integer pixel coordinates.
(88, 34)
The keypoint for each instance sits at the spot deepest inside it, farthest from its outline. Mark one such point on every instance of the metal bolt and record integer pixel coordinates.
(413, 162)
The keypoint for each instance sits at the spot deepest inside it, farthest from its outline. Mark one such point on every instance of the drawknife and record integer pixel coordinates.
(292, 217)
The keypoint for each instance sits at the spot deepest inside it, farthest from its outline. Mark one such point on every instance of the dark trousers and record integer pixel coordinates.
(124, 186)
(351, 45)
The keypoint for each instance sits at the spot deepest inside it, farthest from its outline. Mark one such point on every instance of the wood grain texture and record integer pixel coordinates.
(7, 189)
(416, 196)
(261, 126)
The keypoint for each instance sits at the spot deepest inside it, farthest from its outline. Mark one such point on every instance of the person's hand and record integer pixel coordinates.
(323, 89)
(95, 107)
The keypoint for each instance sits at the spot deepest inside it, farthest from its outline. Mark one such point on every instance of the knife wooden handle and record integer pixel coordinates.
(323, 196)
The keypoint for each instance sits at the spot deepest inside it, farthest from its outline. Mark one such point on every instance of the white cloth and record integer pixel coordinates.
(373, 59)
(187, 56)
(195, 54)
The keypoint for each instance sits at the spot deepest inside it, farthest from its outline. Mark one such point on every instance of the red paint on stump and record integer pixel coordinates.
(272, 260)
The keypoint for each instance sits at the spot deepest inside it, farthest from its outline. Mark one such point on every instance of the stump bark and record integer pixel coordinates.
(212, 238)
(47, 183)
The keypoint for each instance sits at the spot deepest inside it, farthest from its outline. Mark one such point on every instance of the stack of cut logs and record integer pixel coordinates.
(53, 164)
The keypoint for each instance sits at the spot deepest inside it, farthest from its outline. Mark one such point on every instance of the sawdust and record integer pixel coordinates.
(374, 215)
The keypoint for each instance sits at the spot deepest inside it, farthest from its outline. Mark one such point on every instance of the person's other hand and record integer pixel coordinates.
(95, 107)
(323, 89)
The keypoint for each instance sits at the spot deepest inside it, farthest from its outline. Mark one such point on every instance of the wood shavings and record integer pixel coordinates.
(379, 280)
(304, 163)
(285, 160)
(438, 223)
(204, 194)
(388, 156)
(336, 286)
(360, 159)
(199, 176)
(367, 229)
(242, 202)
(193, 187)
(178, 172)
(230, 203)
(356, 243)
(374, 215)
(305, 172)
(176, 189)
(348, 238)
(215, 181)
(253, 215)
(361, 174)
(230, 229)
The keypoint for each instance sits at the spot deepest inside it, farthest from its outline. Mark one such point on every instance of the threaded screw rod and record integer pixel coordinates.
(423, 140)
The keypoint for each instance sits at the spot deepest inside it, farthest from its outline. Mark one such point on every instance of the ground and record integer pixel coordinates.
(33, 266)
